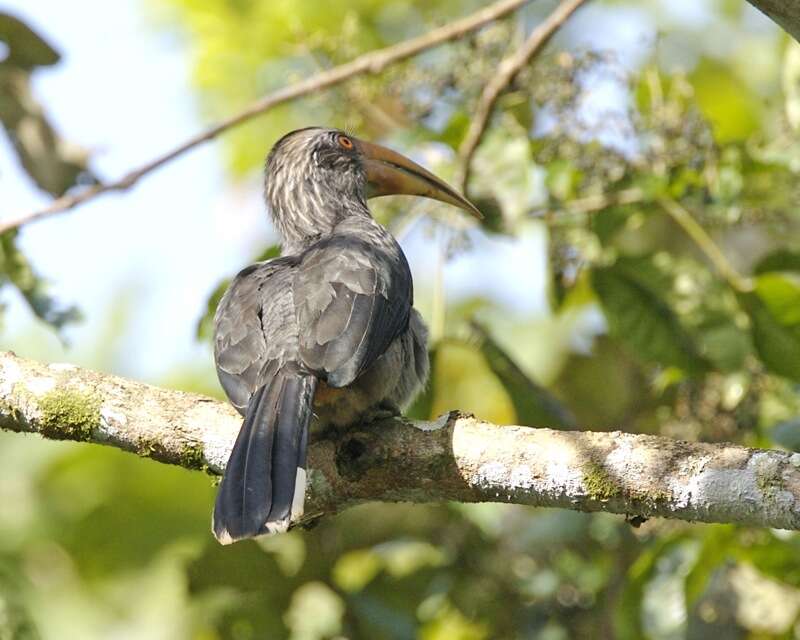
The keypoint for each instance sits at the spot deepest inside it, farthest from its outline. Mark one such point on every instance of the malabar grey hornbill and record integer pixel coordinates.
(326, 329)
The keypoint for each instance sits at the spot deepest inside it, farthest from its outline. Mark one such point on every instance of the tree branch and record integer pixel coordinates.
(506, 72)
(786, 13)
(368, 64)
(455, 458)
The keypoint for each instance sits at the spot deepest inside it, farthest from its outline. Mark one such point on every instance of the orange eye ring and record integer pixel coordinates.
(345, 142)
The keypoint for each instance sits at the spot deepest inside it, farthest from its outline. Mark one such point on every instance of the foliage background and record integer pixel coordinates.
(639, 268)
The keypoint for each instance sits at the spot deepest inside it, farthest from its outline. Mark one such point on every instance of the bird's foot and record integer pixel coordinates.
(382, 411)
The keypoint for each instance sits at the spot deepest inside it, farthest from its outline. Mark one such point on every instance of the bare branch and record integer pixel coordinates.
(784, 12)
(454, 458)
(506, 72)
(368, 64)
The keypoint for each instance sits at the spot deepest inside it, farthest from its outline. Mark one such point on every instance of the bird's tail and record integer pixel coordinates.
(264, 483)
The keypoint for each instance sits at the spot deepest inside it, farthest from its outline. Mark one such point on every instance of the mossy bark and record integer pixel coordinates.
(455, 458)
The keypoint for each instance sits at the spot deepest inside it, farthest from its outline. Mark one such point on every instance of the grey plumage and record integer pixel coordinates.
(329, 327)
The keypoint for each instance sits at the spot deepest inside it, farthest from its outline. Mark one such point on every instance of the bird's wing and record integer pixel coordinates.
(352, 299)
(254, 328)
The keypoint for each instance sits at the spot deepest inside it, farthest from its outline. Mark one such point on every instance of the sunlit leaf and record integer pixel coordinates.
(353, 570)
(730, 105)
(461, 378)
(791, 83)
(450, 623)
(315, 612)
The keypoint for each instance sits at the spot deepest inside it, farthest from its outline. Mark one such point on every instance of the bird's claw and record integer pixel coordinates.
(383, 411)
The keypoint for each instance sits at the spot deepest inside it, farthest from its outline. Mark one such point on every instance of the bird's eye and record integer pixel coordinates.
(345, 142)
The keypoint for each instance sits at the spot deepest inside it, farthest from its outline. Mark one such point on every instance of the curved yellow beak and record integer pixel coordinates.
(389, 173)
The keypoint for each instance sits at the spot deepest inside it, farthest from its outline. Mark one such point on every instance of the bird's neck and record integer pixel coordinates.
(302, 226)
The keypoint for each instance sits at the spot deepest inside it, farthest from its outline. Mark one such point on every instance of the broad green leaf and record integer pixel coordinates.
(774, 310)
(729, 104)
(609, 222)
(779, 260)
(641, 319)
(534, 405)
(781, 294)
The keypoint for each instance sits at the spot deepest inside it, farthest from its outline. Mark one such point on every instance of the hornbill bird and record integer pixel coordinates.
(327, 329)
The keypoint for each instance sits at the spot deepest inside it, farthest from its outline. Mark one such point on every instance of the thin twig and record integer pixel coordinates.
(704, 242)
(367, 64)
(506, 72)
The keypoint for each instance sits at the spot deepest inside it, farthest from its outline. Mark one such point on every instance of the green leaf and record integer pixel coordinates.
(716, 547)
(26, 49)
(355, 569)
(729, 104)
(628, 612)
(455, 129)
(641, 319)
(778, 260)
(562, 179)
(653, 186)
(315, 612)
(493, 220)
(774, 310)
(791, 83)
(519, 106)
(533, 404)
(781, 294)
(16, 270)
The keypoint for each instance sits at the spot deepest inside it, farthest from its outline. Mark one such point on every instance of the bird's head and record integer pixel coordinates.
(315, 177)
